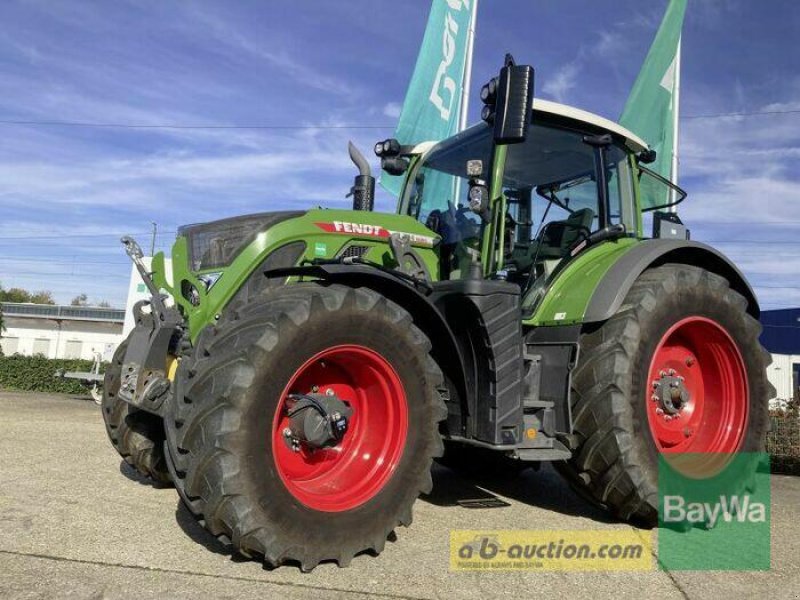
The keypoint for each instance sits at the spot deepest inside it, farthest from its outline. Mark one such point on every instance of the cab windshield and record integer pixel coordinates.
(437, 197)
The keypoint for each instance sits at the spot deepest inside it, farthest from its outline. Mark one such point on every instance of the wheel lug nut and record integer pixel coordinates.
(662, 373)
(654, 398)
(659, 411)
(672, 372)
(314, 389)
(329, 392)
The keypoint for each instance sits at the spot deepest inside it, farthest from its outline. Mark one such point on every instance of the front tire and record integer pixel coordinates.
(137, 436)
(231, 463)
(680, 327)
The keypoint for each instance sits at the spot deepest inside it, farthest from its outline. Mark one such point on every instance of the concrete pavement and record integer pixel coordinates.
(76, 522)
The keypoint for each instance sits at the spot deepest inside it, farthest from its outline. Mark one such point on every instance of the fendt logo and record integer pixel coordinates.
(366, 229)
(443, 83)
(361, 228)
(729, 509)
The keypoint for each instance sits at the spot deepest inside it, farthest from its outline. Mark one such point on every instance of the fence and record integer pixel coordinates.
(783, 441)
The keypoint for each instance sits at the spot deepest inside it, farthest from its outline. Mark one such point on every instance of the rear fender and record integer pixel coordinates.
(592, 286)
(610, 293)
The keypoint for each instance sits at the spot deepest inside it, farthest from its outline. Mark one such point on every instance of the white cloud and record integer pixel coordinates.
(611, 44)
(744, 190)
(233, 37)
(562, 82)
(392, 110)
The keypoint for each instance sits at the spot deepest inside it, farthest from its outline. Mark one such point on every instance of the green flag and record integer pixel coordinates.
(433, 101)
(651, 109)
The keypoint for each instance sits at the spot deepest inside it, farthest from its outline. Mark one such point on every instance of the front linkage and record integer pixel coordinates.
(144, 379)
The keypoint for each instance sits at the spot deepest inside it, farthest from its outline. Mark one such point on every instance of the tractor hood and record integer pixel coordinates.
(214, 245)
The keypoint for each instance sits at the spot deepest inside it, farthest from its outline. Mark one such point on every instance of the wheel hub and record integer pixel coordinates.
(340, 427)
(670, 393)
(316, 421)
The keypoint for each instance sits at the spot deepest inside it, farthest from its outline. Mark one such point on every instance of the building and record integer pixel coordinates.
(781, 337)
(72, 331)
(137, 291)
(61, 331)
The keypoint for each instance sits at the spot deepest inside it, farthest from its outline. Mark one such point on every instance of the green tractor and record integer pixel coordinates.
(300, 371)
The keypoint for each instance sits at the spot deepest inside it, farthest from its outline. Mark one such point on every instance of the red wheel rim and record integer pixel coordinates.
(699, 357)
(349, 474)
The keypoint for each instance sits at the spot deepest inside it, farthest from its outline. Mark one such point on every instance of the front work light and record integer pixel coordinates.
(387, 148)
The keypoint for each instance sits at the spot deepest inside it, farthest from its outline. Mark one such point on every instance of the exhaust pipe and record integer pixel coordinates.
(363, 190)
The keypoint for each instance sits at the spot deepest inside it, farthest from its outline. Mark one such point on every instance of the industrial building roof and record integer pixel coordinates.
(781, 333)
(63, 313)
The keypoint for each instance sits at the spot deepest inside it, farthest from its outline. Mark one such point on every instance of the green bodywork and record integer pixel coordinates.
(570, 290)
(319, 244)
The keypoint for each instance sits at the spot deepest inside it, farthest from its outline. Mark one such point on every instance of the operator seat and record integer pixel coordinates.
(557, 237)
(554, 241)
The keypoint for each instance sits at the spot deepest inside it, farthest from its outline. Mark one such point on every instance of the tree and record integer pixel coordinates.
(42, 297)
(21, 295)
(104, 304)
(16, 295)
(80, 300)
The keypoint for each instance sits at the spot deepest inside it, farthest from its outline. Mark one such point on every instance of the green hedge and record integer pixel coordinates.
(37, 374)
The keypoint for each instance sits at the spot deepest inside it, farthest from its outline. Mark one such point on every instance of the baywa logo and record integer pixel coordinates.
(729, 509)
(443, 92)
(714, 512)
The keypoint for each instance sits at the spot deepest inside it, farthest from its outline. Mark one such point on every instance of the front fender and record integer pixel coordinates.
(446, 351)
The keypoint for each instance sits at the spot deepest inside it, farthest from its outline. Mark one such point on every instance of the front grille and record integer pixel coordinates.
(215, 245)
(354, 252)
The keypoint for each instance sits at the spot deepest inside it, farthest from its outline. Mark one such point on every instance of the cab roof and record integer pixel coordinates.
(633, 141)
(570, 115)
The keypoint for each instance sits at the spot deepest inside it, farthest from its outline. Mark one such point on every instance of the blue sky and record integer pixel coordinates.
(68, 192)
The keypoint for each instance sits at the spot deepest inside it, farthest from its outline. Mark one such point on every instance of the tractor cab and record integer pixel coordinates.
(574, 181)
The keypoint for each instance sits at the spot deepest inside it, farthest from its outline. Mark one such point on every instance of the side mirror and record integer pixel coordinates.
(509, 102)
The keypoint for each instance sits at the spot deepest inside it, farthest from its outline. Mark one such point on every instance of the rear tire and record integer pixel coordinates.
(619, 440)
(137, 436)
(233, 469)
